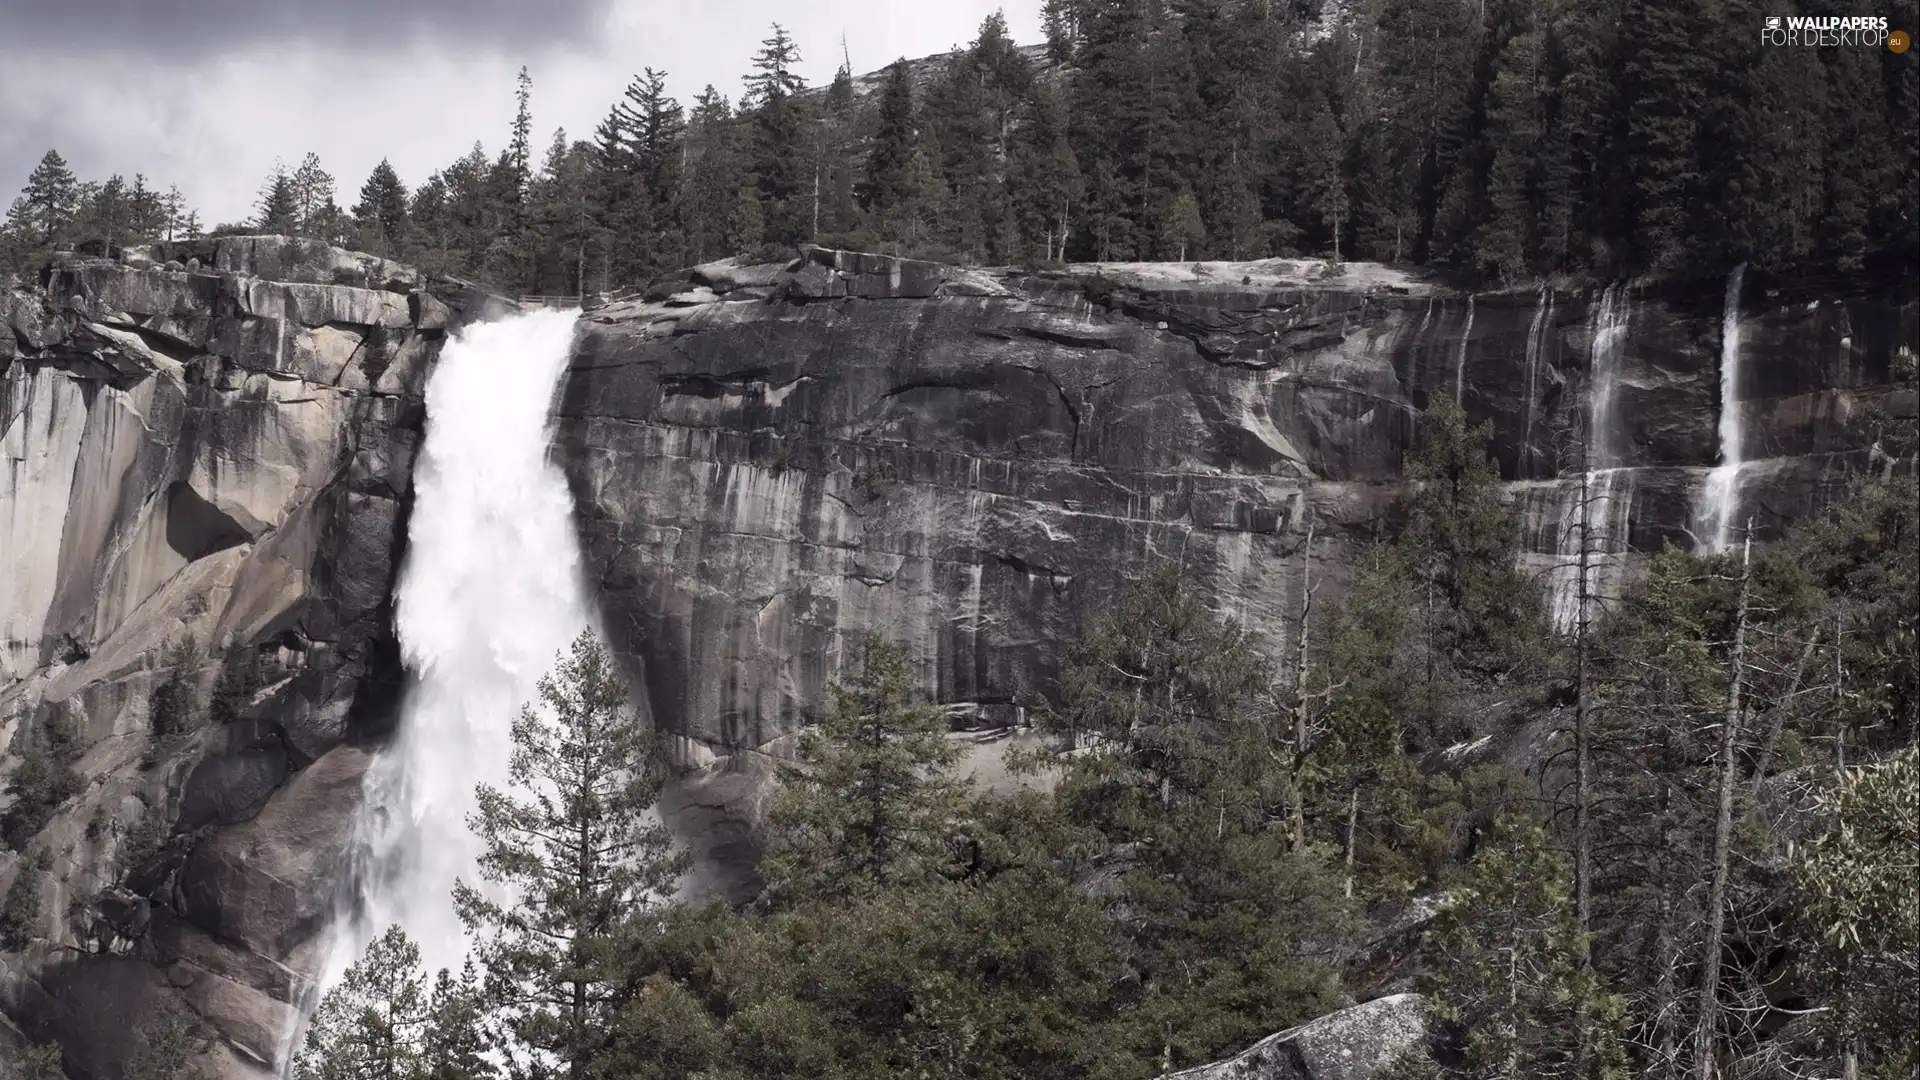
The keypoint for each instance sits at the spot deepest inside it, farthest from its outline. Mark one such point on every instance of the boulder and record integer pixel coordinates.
(265, 883)
(1352, 1044)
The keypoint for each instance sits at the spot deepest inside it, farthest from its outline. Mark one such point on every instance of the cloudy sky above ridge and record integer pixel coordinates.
(206, 94)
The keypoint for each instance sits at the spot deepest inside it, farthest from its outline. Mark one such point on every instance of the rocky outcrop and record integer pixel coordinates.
(209, 441)
(1356, 1043)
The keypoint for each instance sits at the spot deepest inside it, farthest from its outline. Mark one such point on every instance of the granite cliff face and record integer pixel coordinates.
(213, 442)
(767, 461)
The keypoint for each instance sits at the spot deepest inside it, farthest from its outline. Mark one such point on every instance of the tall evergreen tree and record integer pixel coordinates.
(890, 149)
(373, 1025)
(1503, 970)
(313, 206)
(779, 141)
(712, 177)
(48, 203)
(576, 841)
(1170, 793)
(870, 802)
(278, 208)
(381, 214)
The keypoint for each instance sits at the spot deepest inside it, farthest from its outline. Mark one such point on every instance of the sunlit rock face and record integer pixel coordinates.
(212, 441)
(770, 462)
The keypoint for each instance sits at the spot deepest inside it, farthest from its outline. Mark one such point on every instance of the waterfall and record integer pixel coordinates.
(1594, 508)
(1536, 337)
(1608, 345)
(1460, 362)
(490, 593)
(1719, 500)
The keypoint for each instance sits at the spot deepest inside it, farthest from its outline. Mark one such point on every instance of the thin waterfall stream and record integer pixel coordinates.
(1596, 503)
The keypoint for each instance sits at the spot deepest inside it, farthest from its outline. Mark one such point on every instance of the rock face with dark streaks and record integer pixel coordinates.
(221, 453)
(771, 461)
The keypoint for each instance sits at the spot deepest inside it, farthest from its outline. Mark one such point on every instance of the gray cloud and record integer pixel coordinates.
(169, 30)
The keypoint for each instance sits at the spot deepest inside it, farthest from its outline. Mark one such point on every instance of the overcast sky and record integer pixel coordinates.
(207, 93)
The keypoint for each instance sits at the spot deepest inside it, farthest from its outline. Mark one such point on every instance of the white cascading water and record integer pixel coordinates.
(490, 594)
(1595, 513)
(1536, 340)
(1719, 500)
(1460, 361)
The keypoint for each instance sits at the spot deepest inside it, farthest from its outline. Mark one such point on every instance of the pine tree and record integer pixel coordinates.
(42, 780)
(637, 167)
(1503, 971)
(381, 213)
(1181, 227)
(1482, 618)
(454, 1045)
(576, 842)
(1060, 20)
(20, 911)
(1516, 124)
(106, 212)
(870, 802)
(429, 220)
(239, 681)
(1664, 77)
(778, 124)
(1326, 184)
(172, 710)
(890, 149)
(515, 169)
(711, 179)
(1044, 179)
(312, 192)
(48, 203)
(1170, 798)
(278, 208)
(372, 1026)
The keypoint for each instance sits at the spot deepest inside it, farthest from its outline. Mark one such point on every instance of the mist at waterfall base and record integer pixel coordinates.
(489, 595)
